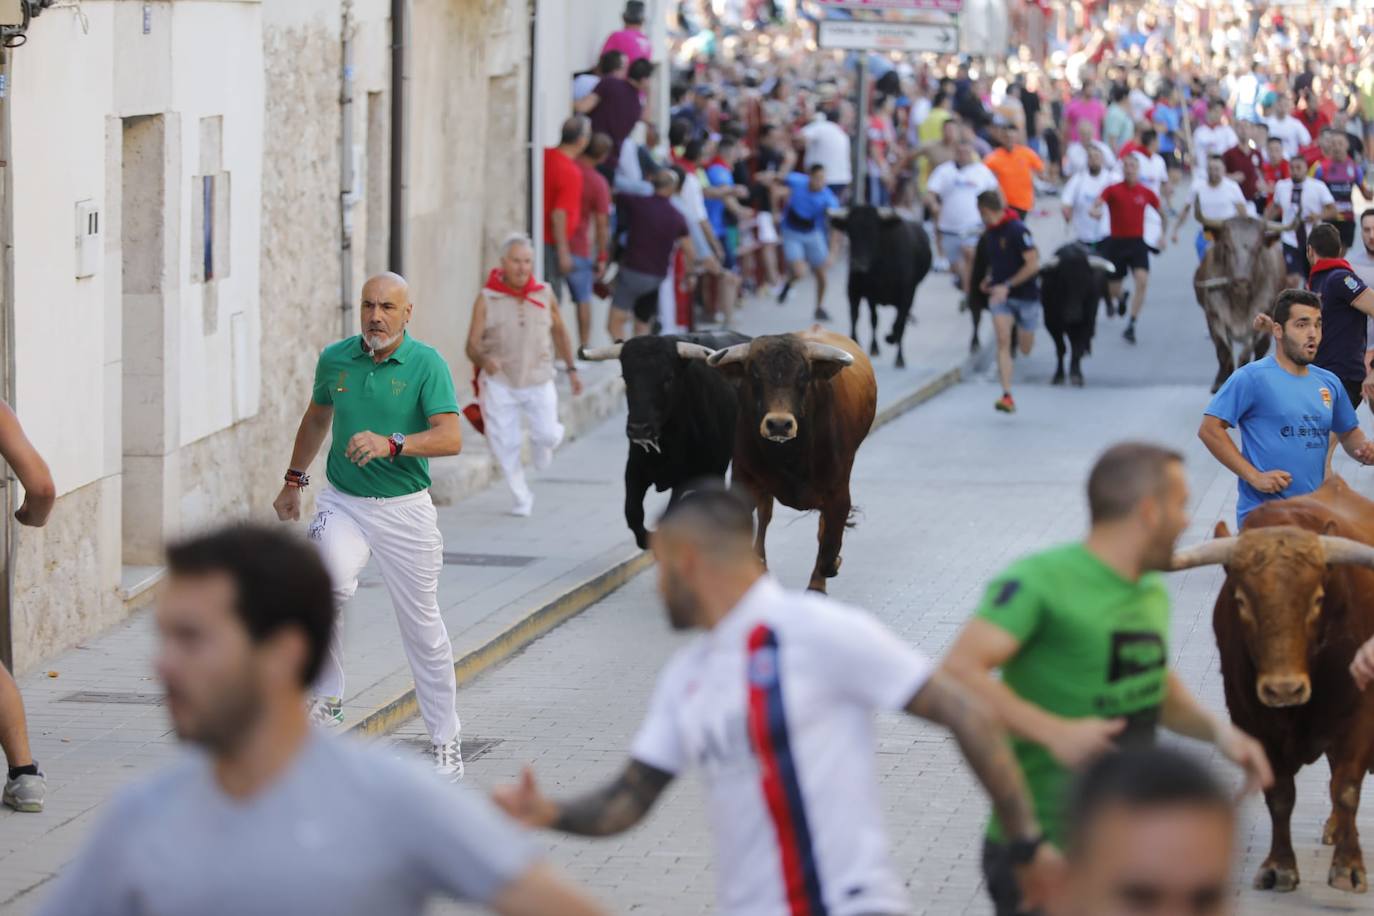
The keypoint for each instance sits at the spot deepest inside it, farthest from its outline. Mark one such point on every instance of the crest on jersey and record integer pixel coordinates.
(1326, 397)
(763, 667)
(1351, 283)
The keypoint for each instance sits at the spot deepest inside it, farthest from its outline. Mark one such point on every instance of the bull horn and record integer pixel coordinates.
(825, 353)
(693, 351)
(1051, 264)
(599, 354)
(1271, 226)
(1214, 552)
(886, 213)
(1344, 550)
(1100, 263)
(837, 212)
(725, 357)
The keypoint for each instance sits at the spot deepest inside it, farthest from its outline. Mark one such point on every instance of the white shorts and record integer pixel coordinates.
(766, 228)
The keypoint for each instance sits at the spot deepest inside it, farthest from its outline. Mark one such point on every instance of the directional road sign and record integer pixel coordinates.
(946, 6)
(845, 35)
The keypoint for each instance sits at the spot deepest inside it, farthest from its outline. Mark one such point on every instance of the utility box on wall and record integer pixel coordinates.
(88, 247)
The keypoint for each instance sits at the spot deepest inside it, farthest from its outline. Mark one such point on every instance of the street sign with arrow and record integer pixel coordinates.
(854, 35)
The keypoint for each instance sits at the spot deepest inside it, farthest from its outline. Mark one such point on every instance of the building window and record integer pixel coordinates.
(207, 238)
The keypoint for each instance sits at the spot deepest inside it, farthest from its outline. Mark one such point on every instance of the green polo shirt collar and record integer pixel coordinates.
(400, 355)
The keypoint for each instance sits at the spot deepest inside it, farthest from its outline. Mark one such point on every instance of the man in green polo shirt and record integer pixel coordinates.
(1081, 634)
(389, 401)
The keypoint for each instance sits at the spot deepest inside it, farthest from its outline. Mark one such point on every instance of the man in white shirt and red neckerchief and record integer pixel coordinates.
(515, 328)
(774, 704)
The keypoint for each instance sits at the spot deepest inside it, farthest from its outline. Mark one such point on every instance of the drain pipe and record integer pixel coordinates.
(400, 102)
(7, 385)
(346, 176)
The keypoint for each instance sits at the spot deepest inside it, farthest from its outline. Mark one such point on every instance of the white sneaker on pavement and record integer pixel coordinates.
(25, 792)
(326, 712)
(523, 508)
(448, 759)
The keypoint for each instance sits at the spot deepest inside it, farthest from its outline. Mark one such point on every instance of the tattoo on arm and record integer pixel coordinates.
(984, 745)
(616, 807)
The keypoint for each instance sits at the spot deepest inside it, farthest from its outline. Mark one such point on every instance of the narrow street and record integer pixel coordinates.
(950, 493)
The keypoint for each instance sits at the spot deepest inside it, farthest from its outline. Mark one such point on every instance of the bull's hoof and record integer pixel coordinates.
(1058, 378)
(817, 587)
(1271, 877)
(1076, 379)
(901, 361)
(1329, 831)
(642, 540)
(975, 346)
(1349, 878)
(834, 569)
(873, 347)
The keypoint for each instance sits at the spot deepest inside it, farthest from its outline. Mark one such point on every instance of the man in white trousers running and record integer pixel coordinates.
(390, 403)
(515, 327)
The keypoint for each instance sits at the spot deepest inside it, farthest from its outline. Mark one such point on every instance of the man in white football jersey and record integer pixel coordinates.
(1079, 195)
(773, 702)
(1154, 174)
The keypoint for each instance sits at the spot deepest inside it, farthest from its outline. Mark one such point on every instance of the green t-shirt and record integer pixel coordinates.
(1092, 644)
(398, 396)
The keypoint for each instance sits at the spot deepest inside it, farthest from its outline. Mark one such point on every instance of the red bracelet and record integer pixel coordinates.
(391, 443)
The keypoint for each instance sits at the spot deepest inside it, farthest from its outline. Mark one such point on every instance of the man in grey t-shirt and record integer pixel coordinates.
(271, 816)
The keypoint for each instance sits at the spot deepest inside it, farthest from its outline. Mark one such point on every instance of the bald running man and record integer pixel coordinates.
(390, 403)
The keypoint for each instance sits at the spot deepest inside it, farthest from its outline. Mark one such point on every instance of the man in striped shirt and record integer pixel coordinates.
(774, 704)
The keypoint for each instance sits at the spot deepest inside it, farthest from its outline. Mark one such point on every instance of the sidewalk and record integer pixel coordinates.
(95, 716)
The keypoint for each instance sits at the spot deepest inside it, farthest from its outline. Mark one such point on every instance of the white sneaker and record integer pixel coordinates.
(326, 712)
(25, 792)
(523, 508)
(448, 759)
(541, 456)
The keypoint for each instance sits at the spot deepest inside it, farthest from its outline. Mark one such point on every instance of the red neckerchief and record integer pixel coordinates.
(496, 283)
(1324, 264)
(1007, 216)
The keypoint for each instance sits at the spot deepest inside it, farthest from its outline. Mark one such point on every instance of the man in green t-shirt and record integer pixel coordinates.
(1081, 634)
(390, 403)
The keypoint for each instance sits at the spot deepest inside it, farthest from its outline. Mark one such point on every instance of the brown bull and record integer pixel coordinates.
(1298, 602)
(1239, 277)
(806, 402)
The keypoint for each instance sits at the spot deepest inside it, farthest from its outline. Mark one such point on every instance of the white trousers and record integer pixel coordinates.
(667, 305)
(502, 409)
(403, 533)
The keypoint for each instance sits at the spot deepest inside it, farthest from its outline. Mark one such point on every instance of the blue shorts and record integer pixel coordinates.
(812, 247)
(1202, 243)
(1294, 260)
(581, 278)
(1025, 311)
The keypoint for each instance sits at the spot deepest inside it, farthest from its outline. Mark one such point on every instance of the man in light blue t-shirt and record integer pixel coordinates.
(804, 242)
(1287, 411)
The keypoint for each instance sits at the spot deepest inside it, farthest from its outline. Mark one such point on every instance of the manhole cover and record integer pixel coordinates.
(486, 559)
(114, 696)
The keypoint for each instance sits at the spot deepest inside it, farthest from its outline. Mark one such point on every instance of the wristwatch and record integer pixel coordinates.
(398, 442)
(1023, 852)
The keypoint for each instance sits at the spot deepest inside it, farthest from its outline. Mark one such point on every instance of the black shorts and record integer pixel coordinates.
(1171, 160)
(1295, 261)
(1127, 255)
(1000, 877)
(1354, 390)
(1346, 227)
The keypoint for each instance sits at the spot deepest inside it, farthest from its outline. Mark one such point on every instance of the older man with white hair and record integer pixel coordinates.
(515, 328)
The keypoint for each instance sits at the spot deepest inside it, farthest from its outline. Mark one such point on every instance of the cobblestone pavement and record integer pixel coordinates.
(951, 492)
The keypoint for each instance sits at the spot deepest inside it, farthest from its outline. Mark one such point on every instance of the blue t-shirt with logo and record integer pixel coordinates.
(1285, 423)
(808, 205)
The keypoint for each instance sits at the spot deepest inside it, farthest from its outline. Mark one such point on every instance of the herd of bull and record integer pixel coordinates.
(786, 415)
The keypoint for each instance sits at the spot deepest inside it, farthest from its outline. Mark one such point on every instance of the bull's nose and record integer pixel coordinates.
(779, 427)
(1284, 691)
(639, 430)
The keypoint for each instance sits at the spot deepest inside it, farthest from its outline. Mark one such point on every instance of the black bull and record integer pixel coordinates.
(1072, 283)
(681, 423)
(889, 256)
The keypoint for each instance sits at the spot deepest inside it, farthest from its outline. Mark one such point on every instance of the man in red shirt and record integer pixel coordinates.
(1274, 170)
(563, 198)
(591, 243)
(1243, 162)
(1126, 202)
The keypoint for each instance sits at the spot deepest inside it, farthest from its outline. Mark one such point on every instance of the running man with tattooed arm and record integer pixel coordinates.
(1081, 635)
(774, 703)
